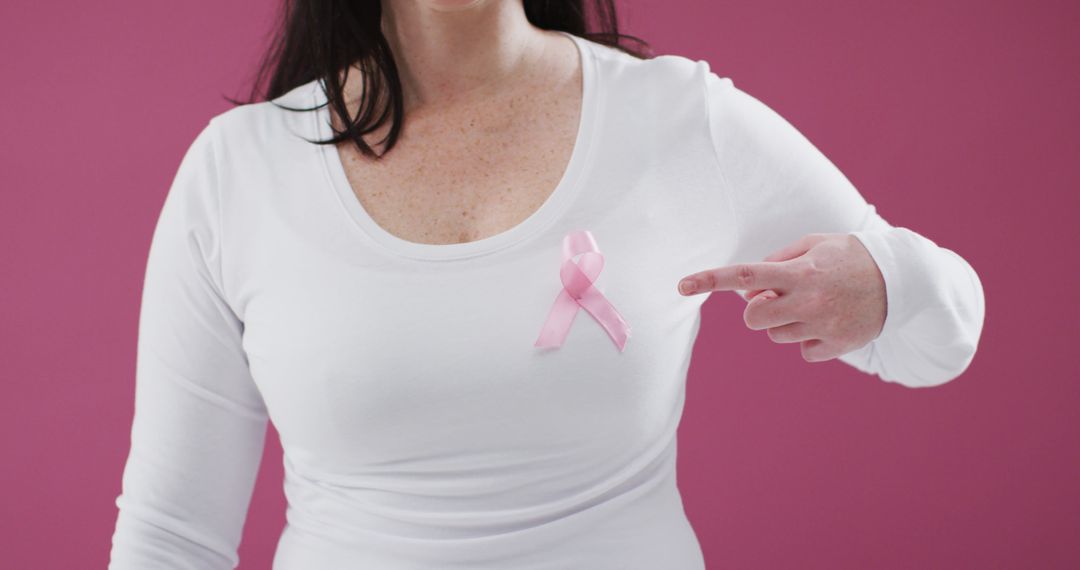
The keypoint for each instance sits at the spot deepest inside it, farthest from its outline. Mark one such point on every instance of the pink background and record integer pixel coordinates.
(958, 119)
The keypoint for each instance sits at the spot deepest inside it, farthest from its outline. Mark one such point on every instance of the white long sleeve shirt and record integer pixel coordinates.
(421, 427)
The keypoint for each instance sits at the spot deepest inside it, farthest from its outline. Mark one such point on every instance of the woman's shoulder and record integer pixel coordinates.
(300, 96)
(670, 70)
(667, 91)
(267, 130)
(265, 118)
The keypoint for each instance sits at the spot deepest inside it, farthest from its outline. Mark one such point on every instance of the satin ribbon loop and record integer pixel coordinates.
(579, 292)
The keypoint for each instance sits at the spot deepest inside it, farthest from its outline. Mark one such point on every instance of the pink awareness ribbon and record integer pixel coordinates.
(578, 292)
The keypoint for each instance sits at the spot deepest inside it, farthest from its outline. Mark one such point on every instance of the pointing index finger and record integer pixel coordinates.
(743, 276)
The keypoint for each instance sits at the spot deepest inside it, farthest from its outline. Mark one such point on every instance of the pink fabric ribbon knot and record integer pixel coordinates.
(578, 292)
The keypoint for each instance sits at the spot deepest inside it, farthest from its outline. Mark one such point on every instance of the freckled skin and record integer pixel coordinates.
(477, 165)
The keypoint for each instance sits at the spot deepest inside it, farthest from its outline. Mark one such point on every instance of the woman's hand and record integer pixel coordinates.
(824, 291)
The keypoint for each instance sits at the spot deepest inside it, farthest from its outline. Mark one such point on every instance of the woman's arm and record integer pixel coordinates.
(782, 188)
(200, 423)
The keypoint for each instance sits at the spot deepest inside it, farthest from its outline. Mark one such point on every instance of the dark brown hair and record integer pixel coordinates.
(316, 39)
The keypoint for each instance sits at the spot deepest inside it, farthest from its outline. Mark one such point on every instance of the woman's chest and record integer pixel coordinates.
(364, 354)
(341, 351)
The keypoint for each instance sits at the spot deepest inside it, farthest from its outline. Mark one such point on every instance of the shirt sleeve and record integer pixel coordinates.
(782, 187)
(199, 422)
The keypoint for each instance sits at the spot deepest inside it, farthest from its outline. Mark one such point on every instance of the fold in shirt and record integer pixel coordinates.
(420, 426)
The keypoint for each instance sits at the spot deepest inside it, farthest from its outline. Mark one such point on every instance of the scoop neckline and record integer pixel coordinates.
(557, 202)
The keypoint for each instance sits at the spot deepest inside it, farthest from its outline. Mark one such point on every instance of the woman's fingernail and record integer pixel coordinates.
(687, 286)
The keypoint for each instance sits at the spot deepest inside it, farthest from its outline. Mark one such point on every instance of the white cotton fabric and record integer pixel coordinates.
(420, 426)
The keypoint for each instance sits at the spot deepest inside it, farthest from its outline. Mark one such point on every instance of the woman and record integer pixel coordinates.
(466, 326)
